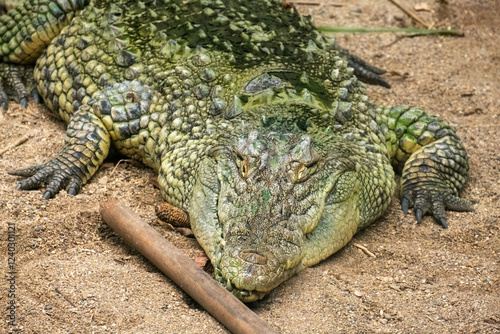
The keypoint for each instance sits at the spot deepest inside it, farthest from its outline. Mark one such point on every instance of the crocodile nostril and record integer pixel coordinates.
(253, 256)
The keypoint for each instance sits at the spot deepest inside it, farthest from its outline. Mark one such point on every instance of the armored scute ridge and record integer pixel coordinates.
(257, 124)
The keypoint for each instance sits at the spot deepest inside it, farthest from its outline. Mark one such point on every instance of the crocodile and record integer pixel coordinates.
(256, 123)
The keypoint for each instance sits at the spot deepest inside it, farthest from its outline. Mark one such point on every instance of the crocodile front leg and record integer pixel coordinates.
(433, 161)
(86, 146)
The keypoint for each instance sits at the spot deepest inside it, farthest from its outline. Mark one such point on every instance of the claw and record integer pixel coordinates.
(74, 189)
(36, 96)
(405, 204)
(16, 79)
(419, 215)
(366, 72)
(50, 174)
(24, 102)
(443, 222)
(4, 99)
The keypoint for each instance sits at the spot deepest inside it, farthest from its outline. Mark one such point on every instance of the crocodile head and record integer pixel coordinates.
(271, 204)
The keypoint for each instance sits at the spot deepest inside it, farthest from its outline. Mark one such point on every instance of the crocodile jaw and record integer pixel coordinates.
(250, 281)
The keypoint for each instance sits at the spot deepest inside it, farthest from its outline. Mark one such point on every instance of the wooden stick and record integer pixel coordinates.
(410, 12)
(215, 299)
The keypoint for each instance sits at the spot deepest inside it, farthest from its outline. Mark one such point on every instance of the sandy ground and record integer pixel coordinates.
(74, 275)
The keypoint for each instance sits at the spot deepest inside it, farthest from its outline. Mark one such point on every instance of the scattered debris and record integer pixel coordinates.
(364, 249)
(411, 13)
(473, 111)
(493, 320)
(358, 293)
(404, 75)
(430, 318)
(106, 165)
(154, 181)
(65, 298)
(423, 7)
(201, 260)
(184, 231)
(467, 94)
(20, 141)
(133, 162)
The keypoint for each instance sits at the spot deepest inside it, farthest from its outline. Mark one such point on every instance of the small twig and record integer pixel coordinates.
(411, 12)
(364, 249)
(20, 141)
(117, 164)
(397, 39)
(66, 298)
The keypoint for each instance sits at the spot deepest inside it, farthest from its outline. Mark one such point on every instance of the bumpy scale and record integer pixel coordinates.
(255, 122)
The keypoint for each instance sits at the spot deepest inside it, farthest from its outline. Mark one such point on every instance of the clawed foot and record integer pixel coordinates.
(54, 174)
(432, 202)
(15, 83)
(367, 73)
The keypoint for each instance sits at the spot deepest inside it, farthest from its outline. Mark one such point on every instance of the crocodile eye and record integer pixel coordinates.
(244, 168)
(243, 165)
(301, 172)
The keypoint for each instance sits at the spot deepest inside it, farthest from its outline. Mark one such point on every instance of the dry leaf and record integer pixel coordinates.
(201, 260)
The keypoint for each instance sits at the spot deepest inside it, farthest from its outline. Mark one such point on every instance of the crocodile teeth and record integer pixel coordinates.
(229, 286)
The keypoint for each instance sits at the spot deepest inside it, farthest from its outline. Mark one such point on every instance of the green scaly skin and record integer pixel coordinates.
(254, 121)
